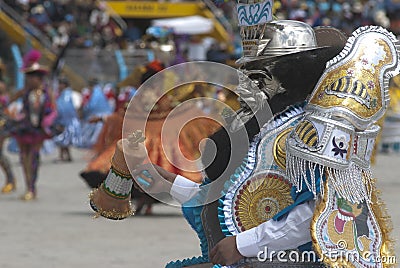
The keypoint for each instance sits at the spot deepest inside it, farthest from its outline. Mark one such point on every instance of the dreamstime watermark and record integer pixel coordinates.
(335, 255)
(380, 259)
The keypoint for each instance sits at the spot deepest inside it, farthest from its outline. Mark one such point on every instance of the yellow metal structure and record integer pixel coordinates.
(151, 10)
(156, 10)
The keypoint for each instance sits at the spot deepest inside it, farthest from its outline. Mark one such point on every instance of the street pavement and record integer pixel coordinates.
(57, 229)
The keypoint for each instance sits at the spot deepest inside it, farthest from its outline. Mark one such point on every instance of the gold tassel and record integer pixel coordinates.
(385, 223)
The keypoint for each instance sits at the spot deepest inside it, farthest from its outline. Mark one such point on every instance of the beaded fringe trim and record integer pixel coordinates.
(117, 186)
(385, 223)
(352, 183)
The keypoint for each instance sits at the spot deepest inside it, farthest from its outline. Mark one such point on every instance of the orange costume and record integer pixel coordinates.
(161, 150)
(105, 146)
(189, 138)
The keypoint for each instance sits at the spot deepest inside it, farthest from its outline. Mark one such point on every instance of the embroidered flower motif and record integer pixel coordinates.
(350, 72)
(371, 84)
(340, 146)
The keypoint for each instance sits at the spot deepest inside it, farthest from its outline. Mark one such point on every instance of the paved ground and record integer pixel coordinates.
(57, 230)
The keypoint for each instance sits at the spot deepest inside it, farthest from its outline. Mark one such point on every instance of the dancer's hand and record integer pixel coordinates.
(153, 179)
(226, 252)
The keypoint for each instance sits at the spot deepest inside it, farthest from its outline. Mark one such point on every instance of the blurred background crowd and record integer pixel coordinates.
(86, 22)
(90, 23)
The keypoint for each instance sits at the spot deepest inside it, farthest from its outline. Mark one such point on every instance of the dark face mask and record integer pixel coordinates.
(289, 79)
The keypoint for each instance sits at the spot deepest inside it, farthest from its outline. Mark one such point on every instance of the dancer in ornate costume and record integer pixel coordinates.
(39, 113)
(68, 119)
(304, 183)
(95, 104)
(103, 150)
(96, 171)
(341, 119)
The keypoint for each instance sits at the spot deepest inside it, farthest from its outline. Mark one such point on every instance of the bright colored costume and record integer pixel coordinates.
(304, 183)
(68, 119)
(190, 136)
(112, 199)
(95, 106)
(103, 150)
(306, 156)
(313, 155)
(334, 143)
(160, 148)
(39, 113)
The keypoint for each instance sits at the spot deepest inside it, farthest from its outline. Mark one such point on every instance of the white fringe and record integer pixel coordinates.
(352, 183)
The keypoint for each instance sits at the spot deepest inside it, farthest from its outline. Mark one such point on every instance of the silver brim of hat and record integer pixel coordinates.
(327, 37)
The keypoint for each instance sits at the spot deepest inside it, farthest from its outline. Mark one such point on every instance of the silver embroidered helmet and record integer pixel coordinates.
(277, 38)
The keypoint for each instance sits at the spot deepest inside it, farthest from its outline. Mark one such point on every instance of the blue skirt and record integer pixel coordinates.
(71, 135)
(89, 135)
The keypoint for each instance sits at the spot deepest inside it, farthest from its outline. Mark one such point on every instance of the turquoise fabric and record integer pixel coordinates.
(301, 196)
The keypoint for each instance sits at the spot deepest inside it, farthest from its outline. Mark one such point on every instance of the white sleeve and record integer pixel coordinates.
(287, 233)
(183, 189)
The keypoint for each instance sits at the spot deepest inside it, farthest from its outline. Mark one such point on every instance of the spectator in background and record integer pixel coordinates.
(90, 25)
(300, 12)
(99, 17)
(198, 47)
(39, 17)
(61, 38)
